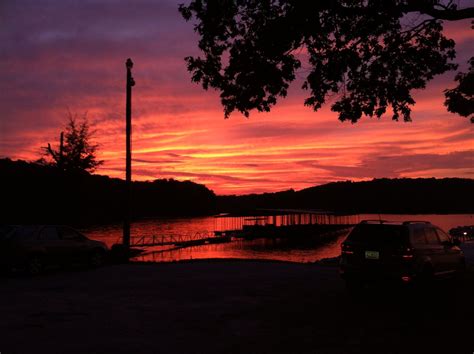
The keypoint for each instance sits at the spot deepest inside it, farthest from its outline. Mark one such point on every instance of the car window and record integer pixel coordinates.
(370, 234)
(443, 236)
(418, 237)
(22, 233)
(431, 236)
(70, 234)
(49, 233)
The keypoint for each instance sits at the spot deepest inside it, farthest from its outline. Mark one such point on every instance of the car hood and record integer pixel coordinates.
(98, 244)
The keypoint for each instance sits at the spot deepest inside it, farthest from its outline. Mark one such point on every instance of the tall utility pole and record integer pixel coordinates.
(61, 151)
(128, 168)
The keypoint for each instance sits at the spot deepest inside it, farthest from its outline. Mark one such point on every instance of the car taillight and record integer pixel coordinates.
(407, 253)
(346, 249)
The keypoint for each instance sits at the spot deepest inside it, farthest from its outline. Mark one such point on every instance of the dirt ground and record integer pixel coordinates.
(229, 307)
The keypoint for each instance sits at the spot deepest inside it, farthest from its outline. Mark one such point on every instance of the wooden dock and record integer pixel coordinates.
(269, 223)
(194, 239)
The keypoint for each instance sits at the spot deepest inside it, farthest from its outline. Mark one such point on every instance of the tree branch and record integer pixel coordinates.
(448, 14)
(451, 15)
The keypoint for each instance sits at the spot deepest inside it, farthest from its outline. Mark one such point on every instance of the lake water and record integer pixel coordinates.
(284, 249)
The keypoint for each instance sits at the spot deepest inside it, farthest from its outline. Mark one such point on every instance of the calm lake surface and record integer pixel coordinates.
(284, 249)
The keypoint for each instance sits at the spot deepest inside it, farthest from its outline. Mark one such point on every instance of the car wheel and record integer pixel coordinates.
(96, 259)
(34, 265)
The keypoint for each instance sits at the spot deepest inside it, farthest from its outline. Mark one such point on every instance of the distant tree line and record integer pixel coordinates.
(34, 193)
(401, 196)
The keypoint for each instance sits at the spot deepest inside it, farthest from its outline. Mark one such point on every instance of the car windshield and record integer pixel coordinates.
(21, 233)
(379, 234)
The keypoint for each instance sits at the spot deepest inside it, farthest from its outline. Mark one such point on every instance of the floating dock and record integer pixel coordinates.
(265, 223)
(284, 223)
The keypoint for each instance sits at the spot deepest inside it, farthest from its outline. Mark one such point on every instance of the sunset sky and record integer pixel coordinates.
(64, 54)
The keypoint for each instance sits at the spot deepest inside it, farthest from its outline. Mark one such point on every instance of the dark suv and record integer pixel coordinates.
(404, 251)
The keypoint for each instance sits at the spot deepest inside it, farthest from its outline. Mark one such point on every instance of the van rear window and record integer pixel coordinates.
(379, 234)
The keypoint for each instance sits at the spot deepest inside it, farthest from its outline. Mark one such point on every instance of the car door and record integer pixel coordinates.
(49, 241)
(435, 249)
(74, 243)
(452, 253)
(420, 246)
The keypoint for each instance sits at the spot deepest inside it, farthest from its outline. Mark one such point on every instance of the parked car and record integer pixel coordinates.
(404, 251)
(463, 233)
(33, 248)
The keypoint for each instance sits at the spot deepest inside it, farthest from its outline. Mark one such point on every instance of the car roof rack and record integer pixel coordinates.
(416, 222)
(374, 221)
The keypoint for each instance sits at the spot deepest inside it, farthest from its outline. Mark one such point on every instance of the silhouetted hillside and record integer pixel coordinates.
(401, 196)
(38, 194)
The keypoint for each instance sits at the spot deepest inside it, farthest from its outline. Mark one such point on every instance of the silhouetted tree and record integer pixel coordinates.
(373, 53)
(461, 99)
(76, 152)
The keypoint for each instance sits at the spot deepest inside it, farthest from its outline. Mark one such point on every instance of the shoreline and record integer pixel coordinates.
(322, 262)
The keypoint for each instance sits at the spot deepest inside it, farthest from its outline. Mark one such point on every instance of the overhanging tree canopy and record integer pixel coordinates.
(372, 53)
(461, 98)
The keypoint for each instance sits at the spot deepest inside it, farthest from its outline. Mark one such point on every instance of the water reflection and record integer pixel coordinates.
(250, 249)
(285, 250)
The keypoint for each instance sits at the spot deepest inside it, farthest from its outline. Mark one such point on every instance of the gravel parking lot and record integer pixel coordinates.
(229, 307)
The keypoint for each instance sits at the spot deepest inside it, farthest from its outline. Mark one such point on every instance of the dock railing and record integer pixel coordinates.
(173, 239)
